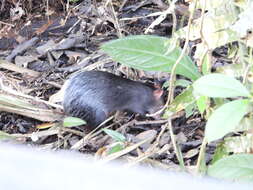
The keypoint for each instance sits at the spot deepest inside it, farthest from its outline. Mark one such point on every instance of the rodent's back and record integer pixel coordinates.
(92, 95)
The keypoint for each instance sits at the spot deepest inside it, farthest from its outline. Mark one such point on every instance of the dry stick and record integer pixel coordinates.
(174, 20)
(145, 156)
(248, 67)
(176, 147)
(167, 52)
(171, 87)
(81, 142)
(121, 129)
(39, 114)
(47, 9)
(2, 6)
(202, 35)
(15, 93)
(173, 70)
(116, 22)
(203, 145)
(151, 150)
(82, 64)
(36, 134)
(65, 129)
(12, 67)
(12, 25)
(150, 122)
(115, 155)
(96, 64)
(74, 25)
(160, 18)
(122, 5)
(22, 47)
(67, 6)
(201, 155)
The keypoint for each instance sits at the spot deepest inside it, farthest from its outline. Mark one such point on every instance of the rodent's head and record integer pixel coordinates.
(157, 103)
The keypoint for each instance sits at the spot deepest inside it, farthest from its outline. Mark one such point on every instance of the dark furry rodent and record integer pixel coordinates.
(93, 95)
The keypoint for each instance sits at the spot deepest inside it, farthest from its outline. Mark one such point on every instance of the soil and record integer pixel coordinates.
(65, 35)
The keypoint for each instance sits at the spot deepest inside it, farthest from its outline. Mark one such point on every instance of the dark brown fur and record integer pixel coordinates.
(92, 95)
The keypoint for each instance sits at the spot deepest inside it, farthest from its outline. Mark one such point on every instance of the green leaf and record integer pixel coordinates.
(150, 53)
(189, 110)
(73, 121)
(181, 102)
(116, 148)
(235, 167)
(225, 119)
(115, 135)
(207, 64)
(217, 23)
(237, 144)
(183, 83)
(202, 103)
(179, 82)
(218, 85)
(5, 136)
(221, 151)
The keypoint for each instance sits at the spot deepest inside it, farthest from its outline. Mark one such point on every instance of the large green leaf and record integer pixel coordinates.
(235, 167)
(225, 119)
(150, 53)
(218, 85)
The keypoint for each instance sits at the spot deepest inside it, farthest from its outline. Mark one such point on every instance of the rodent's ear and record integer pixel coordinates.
(158, 93)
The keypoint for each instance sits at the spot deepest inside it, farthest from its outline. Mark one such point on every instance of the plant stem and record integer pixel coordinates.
(173, 70)
(176, 147)
(201, 158)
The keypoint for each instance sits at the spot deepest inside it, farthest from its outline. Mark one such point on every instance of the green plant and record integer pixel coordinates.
(119, 138)
(222, 100)
(150, 53)
(73, 121)
(73, 1)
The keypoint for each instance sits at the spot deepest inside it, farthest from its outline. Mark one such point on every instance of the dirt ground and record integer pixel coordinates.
(52, 41)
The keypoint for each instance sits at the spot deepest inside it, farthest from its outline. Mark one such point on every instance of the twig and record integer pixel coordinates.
(124, 151)
(12, 67)
(201, 155)
(176, 147)
(202, 23)
(173, 70)
(12, 25)
(245, 75)
(206, 51)
(152, 149)
(82, 142)
(14, 93)
(150, 122)
(22, 47)
(116, 22)
(162, 16)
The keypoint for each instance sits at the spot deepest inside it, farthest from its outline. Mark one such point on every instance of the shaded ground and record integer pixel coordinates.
(65, 40)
